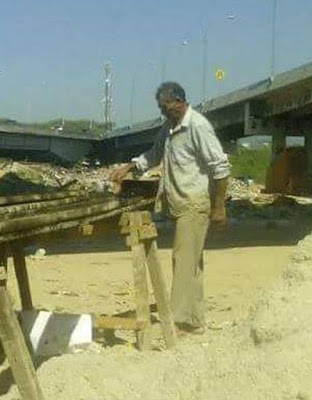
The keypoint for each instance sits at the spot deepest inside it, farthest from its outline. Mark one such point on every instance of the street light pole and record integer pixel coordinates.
(163, 67)
(229, 17)
(132, 94)
(272, 67)
(204, 77)
(165, 57)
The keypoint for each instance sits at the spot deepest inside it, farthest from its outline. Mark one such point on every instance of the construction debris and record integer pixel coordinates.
(21, 177)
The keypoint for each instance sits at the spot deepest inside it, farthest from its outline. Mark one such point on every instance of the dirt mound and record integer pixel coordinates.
(286, 310)
(266, 357)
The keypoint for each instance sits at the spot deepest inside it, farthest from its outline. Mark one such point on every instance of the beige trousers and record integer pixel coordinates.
(187, 297)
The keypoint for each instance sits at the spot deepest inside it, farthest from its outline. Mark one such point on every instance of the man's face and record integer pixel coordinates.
(170, 108)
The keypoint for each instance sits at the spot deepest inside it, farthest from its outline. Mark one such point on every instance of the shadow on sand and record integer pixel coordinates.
(248, 225)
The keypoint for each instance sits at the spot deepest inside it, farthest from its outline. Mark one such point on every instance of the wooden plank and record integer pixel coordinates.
(140, 285)
(16, 351)
(147, 232)
(86, 229)
(49, 218)
(17, 199)
(3, 274)
(15, 210)
(146, 217)
(125, 206)
(3, 263)
(22, 276)
(160, 292)
(141, 295)
(118, 323)
(144, 231)
(124, 219)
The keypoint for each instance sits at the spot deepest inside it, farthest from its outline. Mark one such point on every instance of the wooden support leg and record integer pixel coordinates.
(3, 264)
(22, 276)
(141, 296)
(15, 347)
(142, 234)
(161, 293)
(140, 281)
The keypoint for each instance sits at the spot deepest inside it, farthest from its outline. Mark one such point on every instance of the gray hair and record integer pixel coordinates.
(171, 90)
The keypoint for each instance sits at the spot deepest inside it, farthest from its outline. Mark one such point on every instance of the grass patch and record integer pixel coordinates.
(251, 163)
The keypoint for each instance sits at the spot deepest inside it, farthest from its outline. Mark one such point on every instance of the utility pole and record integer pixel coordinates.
(108, 96)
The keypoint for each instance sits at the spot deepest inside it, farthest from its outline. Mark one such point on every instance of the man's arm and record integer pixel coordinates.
(217, 164)
(218, 212)
(145, 161)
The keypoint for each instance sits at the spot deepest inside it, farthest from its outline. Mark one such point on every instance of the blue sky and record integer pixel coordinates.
(52, 51)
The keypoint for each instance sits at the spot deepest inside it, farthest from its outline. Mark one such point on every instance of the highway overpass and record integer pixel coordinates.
(22, 141)
(278, 107)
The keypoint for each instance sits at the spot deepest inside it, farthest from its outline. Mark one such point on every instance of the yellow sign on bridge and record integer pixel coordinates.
(219, 74)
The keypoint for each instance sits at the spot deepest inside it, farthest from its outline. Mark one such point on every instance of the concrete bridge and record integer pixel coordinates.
(22, 141)
(279, 107)
(285, 101)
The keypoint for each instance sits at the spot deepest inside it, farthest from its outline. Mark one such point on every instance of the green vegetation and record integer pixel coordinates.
(251, 163)
(76, 127)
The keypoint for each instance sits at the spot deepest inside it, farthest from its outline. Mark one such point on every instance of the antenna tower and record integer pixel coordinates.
(108, 95)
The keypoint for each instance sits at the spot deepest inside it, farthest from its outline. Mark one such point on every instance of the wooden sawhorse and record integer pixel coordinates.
(141, 236)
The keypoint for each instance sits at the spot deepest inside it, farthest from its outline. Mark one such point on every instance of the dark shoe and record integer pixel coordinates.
(180, 332)
(183, 329)
(199, 330)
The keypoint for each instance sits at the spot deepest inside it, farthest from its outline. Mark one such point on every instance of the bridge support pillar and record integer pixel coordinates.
(308, 147)
(278, 142)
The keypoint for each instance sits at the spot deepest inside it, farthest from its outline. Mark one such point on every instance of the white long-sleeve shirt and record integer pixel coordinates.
(191, 155)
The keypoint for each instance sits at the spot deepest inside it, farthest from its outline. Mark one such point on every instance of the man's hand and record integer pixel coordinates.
(119, 173)
(117, 176)
(218, 216)
(218, 211)
(218, 219)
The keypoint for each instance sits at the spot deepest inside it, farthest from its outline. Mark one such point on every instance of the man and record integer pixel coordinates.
(193, 185)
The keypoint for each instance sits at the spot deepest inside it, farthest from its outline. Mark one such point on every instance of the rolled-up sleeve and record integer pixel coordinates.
(210, 150)
(152, 157)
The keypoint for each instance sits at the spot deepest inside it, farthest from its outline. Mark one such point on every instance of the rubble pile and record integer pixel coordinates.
(29, 177)
(245, 199)
(243, 189)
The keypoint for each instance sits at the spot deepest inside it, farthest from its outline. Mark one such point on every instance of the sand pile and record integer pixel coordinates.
(267, 357)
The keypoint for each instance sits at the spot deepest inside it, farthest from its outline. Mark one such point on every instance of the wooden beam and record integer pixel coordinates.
(118, 323)
(3, 263)
(38, 197)
(140, 283)
(160, 292)
(22, 276)
(75, 213)
(16, 350)
(15, 210)
(54, 229)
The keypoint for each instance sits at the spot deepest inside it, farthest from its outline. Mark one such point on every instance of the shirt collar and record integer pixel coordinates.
(184, 123)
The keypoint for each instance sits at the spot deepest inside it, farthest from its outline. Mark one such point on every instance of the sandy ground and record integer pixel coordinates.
(227, 362)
